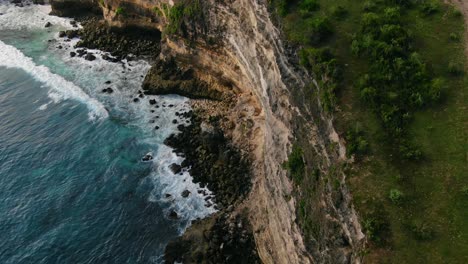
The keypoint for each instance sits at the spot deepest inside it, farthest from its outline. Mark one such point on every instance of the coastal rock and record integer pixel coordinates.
(175, 168)
(140, 41)
(62, 34)
(185, 193)
(75, 8)
(110, 59)
(72, 54)
(81, 52)
(147, 157)
(108, 90)
(173, 215)
(165, 77)
(48, 24)
(212, 161)
(212, 240)
(152, 101)
(90, 57)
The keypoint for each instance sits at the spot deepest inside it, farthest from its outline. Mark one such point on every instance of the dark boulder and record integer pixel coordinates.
(185, 193)
(147, 157)
(175, 168)
(81, 52)
(72, 54)
(90, 57)
(152, 101)
(108, 90)
(48, 24)
(173, 215)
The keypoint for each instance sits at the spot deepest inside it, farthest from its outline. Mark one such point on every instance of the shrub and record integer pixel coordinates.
(339, 12)
(120, 11)
(396, 196)
(455, 68)
(376, 227)
(183, 14)
(454, 37)
(321, 29)
(435, 91)
(409, 152)
(464, 191)
(457, 13)
(356, 143)
(308, 6)
(370, 6)
(421, 230)
(295, 164)
(282, 7)
(430, 8)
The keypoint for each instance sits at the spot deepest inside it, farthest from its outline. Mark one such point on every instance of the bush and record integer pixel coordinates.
(396, 196)
(454, 37)
(409, 152)
(430, 8)
(282, 7)
(455, 68)
(339, 12)
(464, 191)
(457, 13)
(421, 230)
(356, 143)
(308, 6)
(120, 11)
(376, 226)
(321, 29)
(295, 164)
(370, 6)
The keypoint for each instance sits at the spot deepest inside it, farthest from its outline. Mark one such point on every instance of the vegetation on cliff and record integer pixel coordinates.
(392, 72)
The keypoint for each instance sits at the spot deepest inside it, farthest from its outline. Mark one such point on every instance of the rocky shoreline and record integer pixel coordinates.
(210, 157)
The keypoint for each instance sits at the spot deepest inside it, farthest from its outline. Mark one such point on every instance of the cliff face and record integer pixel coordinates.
(234, 47)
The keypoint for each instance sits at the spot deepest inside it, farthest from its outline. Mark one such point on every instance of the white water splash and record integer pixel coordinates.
(29, 17)
(11, 57)
(125, 78)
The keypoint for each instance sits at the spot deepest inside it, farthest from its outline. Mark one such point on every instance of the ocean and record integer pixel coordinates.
(73, 185)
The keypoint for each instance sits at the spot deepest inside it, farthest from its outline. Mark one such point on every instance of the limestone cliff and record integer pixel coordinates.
(233, 46)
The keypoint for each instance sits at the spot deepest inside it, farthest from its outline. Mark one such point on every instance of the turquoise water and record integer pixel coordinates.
(72, 191)
(73, 187)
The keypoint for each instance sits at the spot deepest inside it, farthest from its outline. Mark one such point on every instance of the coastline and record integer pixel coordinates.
(210, 157)
(249, 71)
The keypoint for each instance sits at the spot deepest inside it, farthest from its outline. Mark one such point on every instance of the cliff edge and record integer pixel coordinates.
(233, 50)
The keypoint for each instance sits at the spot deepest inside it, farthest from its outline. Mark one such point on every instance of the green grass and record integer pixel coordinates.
(429, 224)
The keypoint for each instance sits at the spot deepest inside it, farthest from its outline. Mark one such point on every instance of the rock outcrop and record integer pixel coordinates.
(75, 8)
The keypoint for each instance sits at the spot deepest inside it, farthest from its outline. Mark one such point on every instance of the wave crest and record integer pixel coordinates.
(62, 89)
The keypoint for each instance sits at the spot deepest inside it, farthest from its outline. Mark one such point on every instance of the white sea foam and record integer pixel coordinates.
(28, 17)
(62, 89)
(126, 78)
